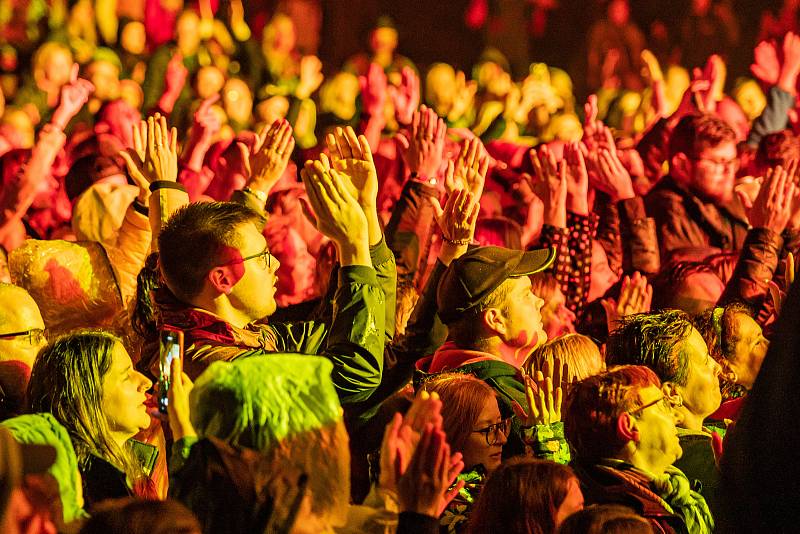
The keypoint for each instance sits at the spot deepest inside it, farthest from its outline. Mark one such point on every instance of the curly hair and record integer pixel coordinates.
(654, 340)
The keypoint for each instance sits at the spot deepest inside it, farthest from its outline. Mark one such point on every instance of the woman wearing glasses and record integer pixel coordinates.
(474, 427)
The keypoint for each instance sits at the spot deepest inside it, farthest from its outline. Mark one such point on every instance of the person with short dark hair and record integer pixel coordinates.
(216, 262)
(621, 426)
(694, 206)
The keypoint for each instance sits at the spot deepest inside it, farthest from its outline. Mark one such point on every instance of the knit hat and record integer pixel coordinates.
(259, 401)
(43, 429)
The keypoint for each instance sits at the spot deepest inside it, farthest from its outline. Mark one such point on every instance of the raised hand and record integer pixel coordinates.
(206, 124)
(175, 76)
(267, 161)
(469, 172)
(180, 386)
(549, 183)
(544, 390)
(406, 96)
(577, 180)
(351, 155)
(464, 97)
(162, 150)
(336, 213)
(310, 77)
(612, 177)
(402, 436)
(635, 296)
(425, 148)
(766, 66)
(424, 487)
(791, 63)
(458, 217)
(74, 96)
(154, 155)
(773, 207)
(374, 90)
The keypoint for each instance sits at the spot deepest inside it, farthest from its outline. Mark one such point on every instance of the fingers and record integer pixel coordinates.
(206, 104)
(244, 154)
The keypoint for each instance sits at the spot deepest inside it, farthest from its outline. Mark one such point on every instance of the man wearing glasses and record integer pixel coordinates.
(215, 261)
(621, 427)
(668, 344)
(694, 206)
(21, 339)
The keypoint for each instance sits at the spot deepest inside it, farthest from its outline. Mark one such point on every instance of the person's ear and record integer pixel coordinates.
(494, 320)
(626, 428)
(673, 393)
(222, 279)
(680, 166)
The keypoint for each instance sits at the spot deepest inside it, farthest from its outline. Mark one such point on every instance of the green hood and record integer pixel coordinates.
(43, 429)
(257, 402)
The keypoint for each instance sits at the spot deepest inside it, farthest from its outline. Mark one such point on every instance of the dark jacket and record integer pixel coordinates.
(628, 236)
(700, 466)
(101, 480)
(685, 222)
(603, 485)
(353, 339)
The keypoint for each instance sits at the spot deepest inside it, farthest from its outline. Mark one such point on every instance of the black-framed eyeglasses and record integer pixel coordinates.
(666, 403)
(491, 432)
(35, 336)
(265, 258)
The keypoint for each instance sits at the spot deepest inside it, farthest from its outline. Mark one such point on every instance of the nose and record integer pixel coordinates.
(144, 382)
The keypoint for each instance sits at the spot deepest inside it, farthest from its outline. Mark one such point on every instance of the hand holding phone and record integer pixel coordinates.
(170, 349)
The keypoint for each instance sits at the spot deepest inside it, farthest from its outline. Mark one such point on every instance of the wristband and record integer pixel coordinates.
(138, 207)
(457, 242)
(260, 195)
(166, 184)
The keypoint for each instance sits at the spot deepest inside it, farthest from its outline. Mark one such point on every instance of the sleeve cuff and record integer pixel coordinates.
(358, 274)
(380, 252)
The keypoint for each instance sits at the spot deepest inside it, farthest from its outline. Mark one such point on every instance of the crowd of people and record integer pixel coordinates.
(407, 300)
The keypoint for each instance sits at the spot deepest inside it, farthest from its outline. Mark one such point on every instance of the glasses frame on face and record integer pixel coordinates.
(667, 401)
(35, 336)
(503, 426)
(266, 262)
(717, 166)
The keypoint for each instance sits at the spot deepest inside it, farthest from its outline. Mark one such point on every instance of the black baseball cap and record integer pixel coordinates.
(472, 277)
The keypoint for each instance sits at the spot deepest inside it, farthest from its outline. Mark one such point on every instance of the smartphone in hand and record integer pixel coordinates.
(170, 347)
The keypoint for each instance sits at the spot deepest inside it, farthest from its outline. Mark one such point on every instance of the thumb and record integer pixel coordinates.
(402, 140)
(437, 207)
(744, 199)
(519, 411)
(305, 206)
(244, 153)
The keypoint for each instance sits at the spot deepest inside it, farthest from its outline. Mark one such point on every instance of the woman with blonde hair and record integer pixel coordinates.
(579, 352)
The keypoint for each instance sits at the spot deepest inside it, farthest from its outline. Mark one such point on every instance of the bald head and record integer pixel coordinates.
(19, 313)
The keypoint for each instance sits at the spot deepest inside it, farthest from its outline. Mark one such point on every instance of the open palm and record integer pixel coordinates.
(352, 157)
